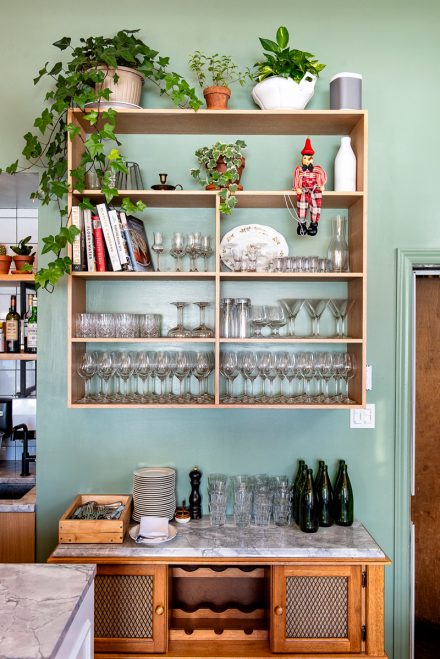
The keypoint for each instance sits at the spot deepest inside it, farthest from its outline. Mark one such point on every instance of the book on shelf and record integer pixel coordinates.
(76, 219)
(109, 237)
(121, 243)
(88, 239)
(98, 241)
(137, 243)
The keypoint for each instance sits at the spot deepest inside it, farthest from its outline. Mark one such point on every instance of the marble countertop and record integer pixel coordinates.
(198, 539)
(10, 472)
(37, 606)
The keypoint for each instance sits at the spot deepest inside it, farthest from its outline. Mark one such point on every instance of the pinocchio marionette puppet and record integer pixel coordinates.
(308, 182)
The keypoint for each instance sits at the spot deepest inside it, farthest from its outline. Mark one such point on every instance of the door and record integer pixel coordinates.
(425, 502)
(316, 609)
(131, 608)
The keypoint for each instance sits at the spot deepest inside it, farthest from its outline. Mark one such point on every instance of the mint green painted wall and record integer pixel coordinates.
(395, 45)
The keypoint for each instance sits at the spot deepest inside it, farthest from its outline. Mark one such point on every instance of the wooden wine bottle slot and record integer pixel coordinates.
(210, 572)
(216, 608)
(256, 614)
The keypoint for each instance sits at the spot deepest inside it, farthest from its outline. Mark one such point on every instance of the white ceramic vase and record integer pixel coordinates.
(278, 93)
(345, 167)
(127, 89)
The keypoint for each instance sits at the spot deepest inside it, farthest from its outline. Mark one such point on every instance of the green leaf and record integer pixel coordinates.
(12, 168)
(282, 36)
(43, 121)
(63, 43)
(270, 45)
(113, 154)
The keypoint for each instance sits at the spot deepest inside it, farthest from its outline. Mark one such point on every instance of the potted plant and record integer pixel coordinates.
(81, 82)
(219, 71)
(223, 164)
(5, 261)
(22, 255)
(286, 76)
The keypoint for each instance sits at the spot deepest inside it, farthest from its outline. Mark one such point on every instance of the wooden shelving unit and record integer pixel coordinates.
(236, 122)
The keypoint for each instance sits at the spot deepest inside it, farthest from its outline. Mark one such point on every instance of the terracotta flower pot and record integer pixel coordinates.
(127, 89)
(5, 264)
(217, 97)
(221, 167)
(20, 260)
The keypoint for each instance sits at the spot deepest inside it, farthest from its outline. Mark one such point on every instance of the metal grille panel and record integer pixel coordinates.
(123, 606)
(316, 607)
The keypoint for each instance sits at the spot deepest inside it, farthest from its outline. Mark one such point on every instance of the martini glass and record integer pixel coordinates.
(315, 308)
(179, 331)
(340, 309)
(292, 307)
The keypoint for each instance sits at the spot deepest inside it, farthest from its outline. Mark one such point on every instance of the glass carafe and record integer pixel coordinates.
(338, 248)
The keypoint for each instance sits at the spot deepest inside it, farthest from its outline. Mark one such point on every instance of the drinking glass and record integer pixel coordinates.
(349, 370)
(202, 331)
(276, 318)
(248, 365)
(181, 370)
(194, 249)
(218, 502)
(267, 371)
(315, 308)
(105, 325)
(143, 370)
(306, 366)
(179, 331)
(126, 325)
(158, 246)
(203, 367)
(290, 372)
(105, 368)
(242, 507)
(149, 325)
(178, 247)
(86, 369)
(340, 309)
(262, 510)
(292, 307)
(162, 370)
(282, 508)
(85, 325)
(281, 363)
(258, 319)
(124, 370)
(207, 250)
(229, 369)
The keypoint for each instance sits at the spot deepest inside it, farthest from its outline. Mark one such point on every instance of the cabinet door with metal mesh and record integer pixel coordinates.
(130, 608)
(316, 609)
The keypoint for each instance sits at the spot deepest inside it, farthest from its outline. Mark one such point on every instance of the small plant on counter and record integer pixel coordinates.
(215, 74)
(22, 248)
(223, 165)
(83, 81)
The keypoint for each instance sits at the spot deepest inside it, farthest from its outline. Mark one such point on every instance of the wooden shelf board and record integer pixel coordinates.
(142, 276)
(207, 198)
(233, 122)
(162, 339)
(220, 406)
(294, 339)
(290, 276)
(16, 279)
(19, 356)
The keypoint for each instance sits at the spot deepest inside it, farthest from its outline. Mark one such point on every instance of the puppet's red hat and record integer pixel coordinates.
(307, 151)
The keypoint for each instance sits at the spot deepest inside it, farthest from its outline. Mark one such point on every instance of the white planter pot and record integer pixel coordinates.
(127, 89)
(278, 93)
(345, 167)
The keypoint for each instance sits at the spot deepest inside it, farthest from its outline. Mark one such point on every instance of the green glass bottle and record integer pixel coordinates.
(301, 482)
(308, 506)
(13, 327)
(343, 500)
(338, 475)
(318, 476)
(295, 486)
(324, 493)
(32, 328)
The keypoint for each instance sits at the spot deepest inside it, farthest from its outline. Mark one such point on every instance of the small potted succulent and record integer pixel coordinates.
(5, 261)
(22, 254)
(286, 77)
(223, 164)
(215, 74)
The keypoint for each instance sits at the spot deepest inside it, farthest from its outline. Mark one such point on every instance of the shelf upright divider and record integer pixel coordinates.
(217, 301)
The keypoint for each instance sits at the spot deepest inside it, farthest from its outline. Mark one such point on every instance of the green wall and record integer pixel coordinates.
(395, 45)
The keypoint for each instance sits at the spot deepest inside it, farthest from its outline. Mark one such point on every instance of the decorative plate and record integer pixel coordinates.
(253, 234)
(172, 532)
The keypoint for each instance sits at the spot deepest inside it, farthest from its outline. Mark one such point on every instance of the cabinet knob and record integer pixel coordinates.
(278, 611)
(159, 610)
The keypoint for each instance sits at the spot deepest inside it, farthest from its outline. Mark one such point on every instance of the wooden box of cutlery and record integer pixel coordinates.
(78, 531)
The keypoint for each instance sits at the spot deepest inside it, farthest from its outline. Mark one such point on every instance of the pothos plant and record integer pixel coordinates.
(221, 163)
(73, 86)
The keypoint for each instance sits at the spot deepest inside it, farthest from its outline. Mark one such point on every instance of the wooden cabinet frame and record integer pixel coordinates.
(235, 122)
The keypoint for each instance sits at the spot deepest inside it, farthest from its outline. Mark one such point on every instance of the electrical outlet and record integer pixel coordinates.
(363, 418)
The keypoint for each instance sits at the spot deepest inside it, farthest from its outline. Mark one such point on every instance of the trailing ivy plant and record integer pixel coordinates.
(280, 60)
(229, 155)
(45, 148)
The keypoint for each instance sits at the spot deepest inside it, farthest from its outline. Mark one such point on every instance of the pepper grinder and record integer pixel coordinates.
(195, 498)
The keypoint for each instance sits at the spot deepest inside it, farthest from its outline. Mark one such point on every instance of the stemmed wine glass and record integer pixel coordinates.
(258, 319)
(202, 331)
(250, 371)
(281, 365)
(124, 370)
(316, 309)
(158, 247)
(182, 369)
(207, 250)
(202, 368)
(105, 368)
(292, 307)
(194, 249)
(349, 371)
(306, 366)
(178, 246)
(162, 370)
(179, 331)
(86, 369)
(143, 370)
(229, 369)
(276, 318)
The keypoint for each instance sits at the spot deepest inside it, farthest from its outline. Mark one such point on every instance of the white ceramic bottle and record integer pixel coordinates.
(345, 167)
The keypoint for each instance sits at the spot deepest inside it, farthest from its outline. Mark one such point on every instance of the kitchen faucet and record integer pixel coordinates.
(26, 459)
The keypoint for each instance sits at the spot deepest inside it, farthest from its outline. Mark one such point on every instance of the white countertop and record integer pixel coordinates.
(37, 606)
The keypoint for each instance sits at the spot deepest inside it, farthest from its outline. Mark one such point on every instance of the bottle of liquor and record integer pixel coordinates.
(32, 328)
(25, 319)
(13, 327)
(295, 486)
(2, 338)
(343, 500)
(324, 493)
(308, 506)
(301, 482)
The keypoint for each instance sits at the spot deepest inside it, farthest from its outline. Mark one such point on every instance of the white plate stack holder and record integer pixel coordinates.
(154, 492)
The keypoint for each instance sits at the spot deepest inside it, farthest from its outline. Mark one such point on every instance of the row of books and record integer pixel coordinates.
(109, 240)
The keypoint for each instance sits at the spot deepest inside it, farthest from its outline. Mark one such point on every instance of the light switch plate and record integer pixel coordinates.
(369, 377)
(363, 418)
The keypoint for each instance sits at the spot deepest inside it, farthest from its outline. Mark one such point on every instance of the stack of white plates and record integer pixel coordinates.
(154, 492)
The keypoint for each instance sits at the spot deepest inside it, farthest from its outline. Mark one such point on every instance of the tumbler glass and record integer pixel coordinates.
(242, 507)
(218, 502)
(149, 325)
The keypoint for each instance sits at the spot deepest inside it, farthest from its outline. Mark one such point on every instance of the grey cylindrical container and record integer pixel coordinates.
(346, 91)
